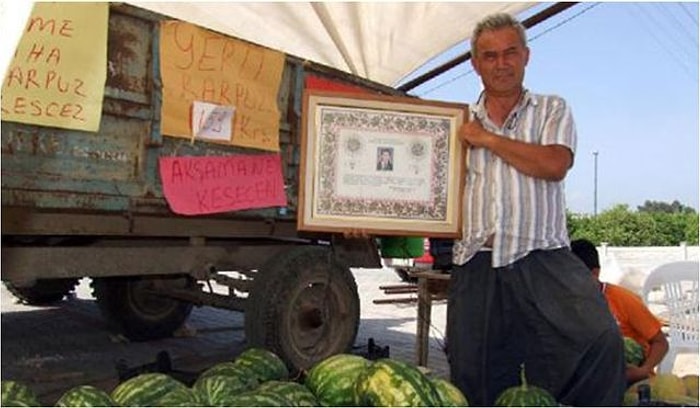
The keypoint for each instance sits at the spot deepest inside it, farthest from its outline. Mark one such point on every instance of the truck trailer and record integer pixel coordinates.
(81, 204)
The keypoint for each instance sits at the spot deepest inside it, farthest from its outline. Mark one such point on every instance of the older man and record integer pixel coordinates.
(518, 294)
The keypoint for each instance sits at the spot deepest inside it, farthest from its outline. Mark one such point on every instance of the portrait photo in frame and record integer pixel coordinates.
(388, 165)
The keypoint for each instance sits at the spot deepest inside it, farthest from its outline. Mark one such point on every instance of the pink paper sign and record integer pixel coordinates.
(206, 185)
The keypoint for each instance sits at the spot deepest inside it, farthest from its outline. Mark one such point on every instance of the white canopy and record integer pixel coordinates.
(380, 41)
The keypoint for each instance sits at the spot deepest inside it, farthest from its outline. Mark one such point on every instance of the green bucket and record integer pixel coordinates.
(401, 247)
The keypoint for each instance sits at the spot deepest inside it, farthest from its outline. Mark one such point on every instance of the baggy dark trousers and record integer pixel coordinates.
(544, 310)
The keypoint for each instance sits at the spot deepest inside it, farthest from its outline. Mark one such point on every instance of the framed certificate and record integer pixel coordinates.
(384, 164)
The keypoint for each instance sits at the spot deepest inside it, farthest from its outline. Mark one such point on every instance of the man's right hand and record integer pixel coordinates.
(472, 133)
(634, 373)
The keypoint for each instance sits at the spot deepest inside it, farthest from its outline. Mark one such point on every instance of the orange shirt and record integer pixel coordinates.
(632, 315)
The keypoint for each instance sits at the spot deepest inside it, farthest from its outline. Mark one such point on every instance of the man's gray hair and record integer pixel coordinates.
(494, 22)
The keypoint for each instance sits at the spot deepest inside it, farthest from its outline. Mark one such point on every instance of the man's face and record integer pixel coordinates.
(500, 60)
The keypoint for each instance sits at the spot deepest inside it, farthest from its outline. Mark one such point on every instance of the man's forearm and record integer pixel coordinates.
(549, 162)
(658, 347)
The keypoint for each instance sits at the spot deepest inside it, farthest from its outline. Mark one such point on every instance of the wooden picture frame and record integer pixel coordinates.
(387, 165)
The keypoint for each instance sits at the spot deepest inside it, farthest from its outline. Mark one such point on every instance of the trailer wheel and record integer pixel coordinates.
(138, 314)
(303, 306)
(44, 291)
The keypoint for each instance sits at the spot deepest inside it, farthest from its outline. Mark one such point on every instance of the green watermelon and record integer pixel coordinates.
(393, 383)
(17, 394)
(231, 369)
(634, 353)
(17, 403)
(332, 380)
(299, 395)
(525, 395)
(179, 397)
(262, 364)
(85, 396)
(260, 399)
(144, 390)
(217, 390)
(450, 396)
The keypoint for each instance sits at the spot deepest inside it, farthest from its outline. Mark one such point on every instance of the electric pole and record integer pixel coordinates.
(595, 183)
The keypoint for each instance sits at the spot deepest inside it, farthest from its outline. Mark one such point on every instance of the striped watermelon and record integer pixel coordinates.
(231, 369)
(634, 353)
(17, 394)
(298, 394)
(450, 396)
(85, 396)
(332, 380)
(179, 397)
(263, 365)
(525, 395)
(217, 390)
(18, 403)
(393, 383)
(259, 399)
(144, 390)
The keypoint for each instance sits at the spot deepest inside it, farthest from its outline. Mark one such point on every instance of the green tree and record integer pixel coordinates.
(692, 228)
(621, 227)
(653, 224)
(660, 206)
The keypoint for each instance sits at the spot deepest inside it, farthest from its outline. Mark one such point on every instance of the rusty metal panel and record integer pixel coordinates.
(129, 58)
(46, 167)
(24, 220)
(116, 169)
(58, 161)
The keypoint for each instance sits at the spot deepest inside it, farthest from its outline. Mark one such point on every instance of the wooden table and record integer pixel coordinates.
(432, 285)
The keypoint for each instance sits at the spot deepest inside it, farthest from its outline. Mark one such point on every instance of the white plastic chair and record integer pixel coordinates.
(678, 282)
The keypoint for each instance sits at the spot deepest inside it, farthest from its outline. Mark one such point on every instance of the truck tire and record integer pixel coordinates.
(140, 315)
(303, 306)
(44, 291)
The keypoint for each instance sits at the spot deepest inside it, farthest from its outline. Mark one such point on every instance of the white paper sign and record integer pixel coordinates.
(211, 121)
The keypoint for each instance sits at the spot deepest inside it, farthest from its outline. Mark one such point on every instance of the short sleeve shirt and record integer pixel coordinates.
(524, 213)
(633, 317)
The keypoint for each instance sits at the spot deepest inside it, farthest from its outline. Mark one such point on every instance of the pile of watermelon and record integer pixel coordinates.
(668, 389)
(259, 377)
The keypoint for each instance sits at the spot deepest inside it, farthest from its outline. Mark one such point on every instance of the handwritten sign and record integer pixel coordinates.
(210, 121)
(197, 64)
(58, 73)
(206, 185)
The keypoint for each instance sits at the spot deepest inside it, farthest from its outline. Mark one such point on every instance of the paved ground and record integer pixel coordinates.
(53, 348)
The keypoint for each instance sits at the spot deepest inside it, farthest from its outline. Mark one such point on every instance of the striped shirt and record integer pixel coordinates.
(524, 213)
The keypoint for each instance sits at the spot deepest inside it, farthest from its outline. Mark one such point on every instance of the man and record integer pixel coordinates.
(385, 162)
(517, 294)
(632, 315)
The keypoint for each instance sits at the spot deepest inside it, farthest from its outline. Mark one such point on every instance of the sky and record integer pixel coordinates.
(629, 71)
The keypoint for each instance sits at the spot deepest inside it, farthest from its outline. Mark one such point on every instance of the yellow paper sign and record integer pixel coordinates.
(199, 65)
(58, 73)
